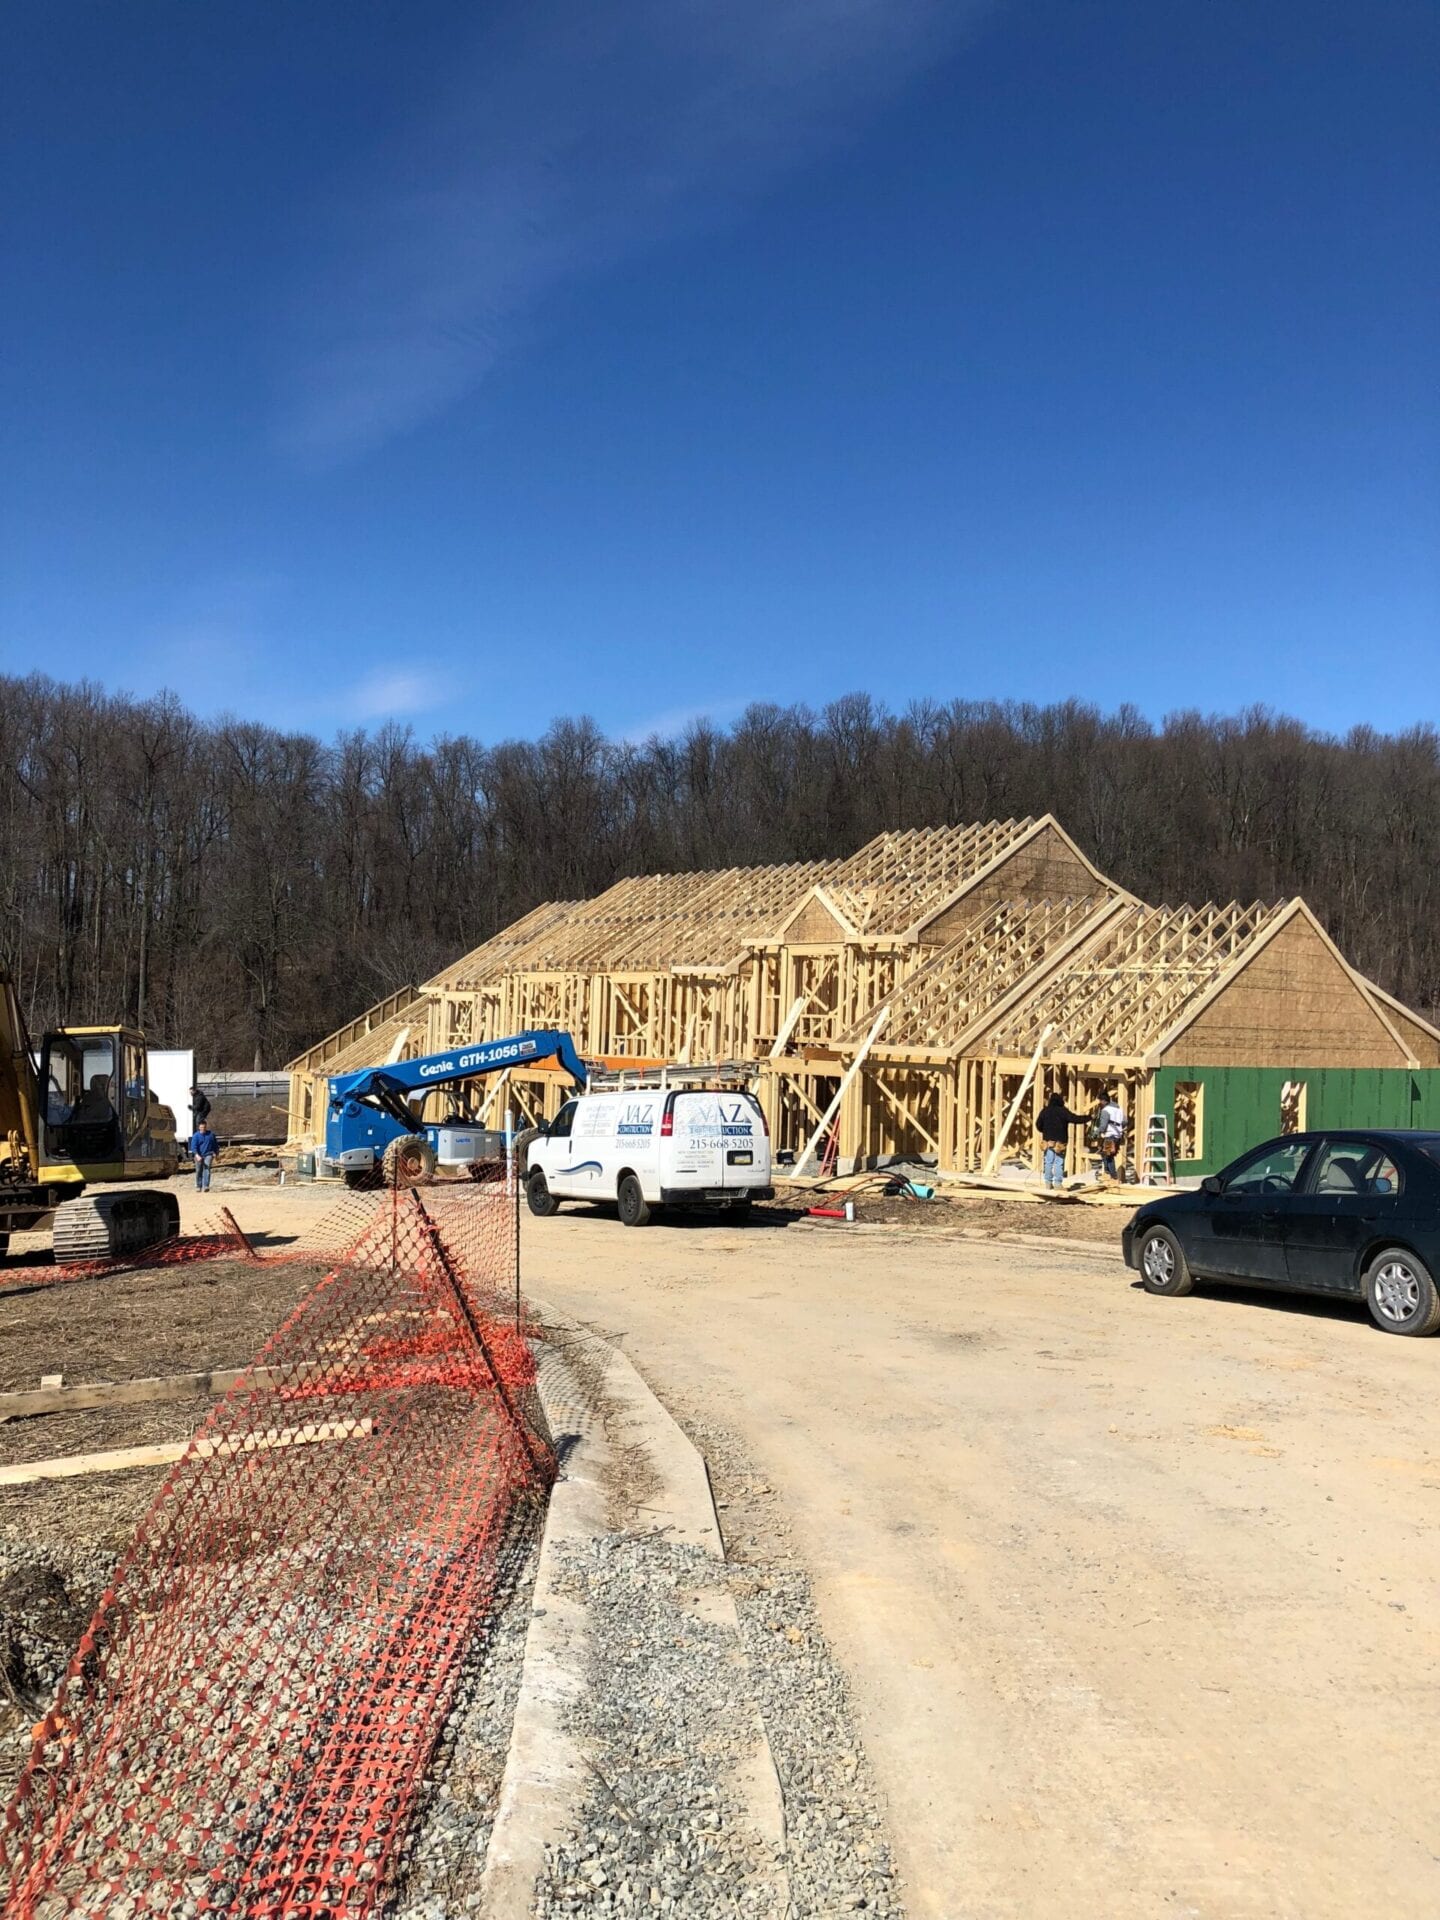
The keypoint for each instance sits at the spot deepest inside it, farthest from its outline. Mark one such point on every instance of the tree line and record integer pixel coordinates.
(244, 890)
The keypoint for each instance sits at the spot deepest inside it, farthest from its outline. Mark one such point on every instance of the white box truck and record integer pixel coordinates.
(648, 1147)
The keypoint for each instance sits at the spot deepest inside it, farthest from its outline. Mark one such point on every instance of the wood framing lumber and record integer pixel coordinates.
(843, 1088)
(70, 1466)
(492, 1097)
(992, 1159)
(239, 1233)
(84, 1396)
(782, 1039)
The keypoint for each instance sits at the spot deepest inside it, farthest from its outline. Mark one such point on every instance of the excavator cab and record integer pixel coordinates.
(100, 1120)
(76, 1139)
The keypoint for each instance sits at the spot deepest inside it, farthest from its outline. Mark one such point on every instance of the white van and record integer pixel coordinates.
(655, 1147)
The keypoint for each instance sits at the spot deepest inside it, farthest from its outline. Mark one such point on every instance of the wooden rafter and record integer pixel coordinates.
(1121, 990)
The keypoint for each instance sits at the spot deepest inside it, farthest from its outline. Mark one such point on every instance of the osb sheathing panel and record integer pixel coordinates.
(1044, 869)
(1422, 1043)
(815, 924)
(1293, 1005)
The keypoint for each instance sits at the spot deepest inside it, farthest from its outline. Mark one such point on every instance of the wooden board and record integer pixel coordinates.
(71, 1466)
(84, 1396)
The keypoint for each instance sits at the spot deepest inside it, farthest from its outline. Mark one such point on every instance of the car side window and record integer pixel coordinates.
(1354, 1167)
(1273, 1171)
(560, 1126)
(1384, 1178)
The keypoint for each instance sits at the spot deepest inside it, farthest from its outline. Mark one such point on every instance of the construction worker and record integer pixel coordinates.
(1110, 1123)
(1054, 1126)
(203, 1149)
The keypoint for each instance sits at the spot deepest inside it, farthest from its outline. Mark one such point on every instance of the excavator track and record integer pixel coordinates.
(107, 1226)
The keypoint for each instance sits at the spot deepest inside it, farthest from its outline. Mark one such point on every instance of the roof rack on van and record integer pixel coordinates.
(718, 1074)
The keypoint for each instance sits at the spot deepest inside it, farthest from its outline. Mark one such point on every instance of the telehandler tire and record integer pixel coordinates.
(408, 1162)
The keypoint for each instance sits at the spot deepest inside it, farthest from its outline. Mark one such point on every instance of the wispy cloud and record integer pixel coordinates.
(572, 136)
(386, 696)
(674, 721)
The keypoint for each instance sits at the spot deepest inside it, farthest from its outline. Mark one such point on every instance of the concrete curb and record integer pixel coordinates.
(546, 1775)
(546, 1772)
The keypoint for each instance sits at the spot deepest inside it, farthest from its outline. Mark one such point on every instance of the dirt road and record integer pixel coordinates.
(1138, 1596)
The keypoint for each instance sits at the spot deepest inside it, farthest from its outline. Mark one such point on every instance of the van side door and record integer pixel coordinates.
(583, 1160)
(552, 1149)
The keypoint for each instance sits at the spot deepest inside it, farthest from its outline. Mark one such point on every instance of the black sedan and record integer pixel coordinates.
(1352, 1214)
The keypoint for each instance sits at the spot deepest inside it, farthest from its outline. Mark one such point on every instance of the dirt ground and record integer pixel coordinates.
(126, 1326)
(175, 1319)
(59, 1539)
(957, 1211)
(1136, 1595)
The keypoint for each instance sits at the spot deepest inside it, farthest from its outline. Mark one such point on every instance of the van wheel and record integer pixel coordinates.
(633, 1210)
(541, 1201)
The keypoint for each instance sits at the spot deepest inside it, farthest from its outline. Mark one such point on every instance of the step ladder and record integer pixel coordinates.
(1155, 1167)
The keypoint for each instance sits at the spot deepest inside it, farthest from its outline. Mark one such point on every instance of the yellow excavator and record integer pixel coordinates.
(76, 1136)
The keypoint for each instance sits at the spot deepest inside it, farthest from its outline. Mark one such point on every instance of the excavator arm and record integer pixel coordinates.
(19, 1094)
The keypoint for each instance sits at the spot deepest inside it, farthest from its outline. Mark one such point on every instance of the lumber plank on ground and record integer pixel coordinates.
(83, 1396)
(69, 1466)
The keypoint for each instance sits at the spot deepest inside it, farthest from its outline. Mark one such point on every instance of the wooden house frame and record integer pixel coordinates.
(933, 981)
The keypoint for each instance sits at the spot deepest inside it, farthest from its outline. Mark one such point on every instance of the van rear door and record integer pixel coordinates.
(719, 1141)
(745, 1143)
(697, 1155)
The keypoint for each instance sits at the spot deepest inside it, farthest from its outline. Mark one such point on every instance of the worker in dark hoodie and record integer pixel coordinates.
(1054, 1126)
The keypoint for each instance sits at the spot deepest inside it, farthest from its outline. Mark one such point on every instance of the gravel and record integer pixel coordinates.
(670, 1720)
(839, 1856)
(444, 1854)
(47, 1595)
(665, 1726)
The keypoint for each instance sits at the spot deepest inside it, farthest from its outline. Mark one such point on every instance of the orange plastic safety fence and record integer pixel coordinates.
(244, 1727)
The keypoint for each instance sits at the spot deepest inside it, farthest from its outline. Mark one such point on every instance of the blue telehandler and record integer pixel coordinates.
(374, 1120)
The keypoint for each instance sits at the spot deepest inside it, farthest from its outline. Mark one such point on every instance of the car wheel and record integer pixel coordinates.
(1163, 1266)
(1400, 1294)
(538, 1197)
(633, 1210)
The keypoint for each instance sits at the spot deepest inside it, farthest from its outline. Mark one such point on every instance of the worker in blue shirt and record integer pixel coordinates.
(203, 1149)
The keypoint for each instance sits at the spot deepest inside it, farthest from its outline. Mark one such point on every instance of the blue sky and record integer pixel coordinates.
(475, 365)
